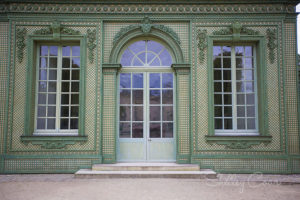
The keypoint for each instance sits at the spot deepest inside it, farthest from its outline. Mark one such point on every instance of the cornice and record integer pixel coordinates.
(151, 8)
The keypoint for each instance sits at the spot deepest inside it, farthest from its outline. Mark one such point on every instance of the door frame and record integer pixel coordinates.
(146, 71)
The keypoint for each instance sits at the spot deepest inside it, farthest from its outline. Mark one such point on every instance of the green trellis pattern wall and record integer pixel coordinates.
(281, 155)
(3, 79)
(200, 93)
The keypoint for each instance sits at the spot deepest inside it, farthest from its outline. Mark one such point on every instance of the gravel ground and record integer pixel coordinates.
(227, 186)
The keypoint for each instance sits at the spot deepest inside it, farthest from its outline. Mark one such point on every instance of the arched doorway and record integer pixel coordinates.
(146, 111)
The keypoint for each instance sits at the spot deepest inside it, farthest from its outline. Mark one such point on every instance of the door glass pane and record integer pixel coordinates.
(137, 130)
(137, 113)
(155, 130)
(125, 80)
(124, 130)
(154, 113)
(124, 113)
(167, 96)
(154, 96)
(167, 130)
(154, 80)
(125, 96)
(167, 113)
(137, 80)
(137, 96)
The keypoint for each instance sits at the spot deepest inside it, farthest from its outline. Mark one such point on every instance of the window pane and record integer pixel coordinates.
(124, 130)
(137, 130)
(218, 87)
(227, 99)
(74, 98)
(42, 86)
(250, 99)
(42, 99)
(227, 87)
(154, 96)
(75, 63)
(65, 86)
(227, 123)
(125, 96)
(241, 124)
(125, 80)
(240, 111)
(137, 80)
(218, 111)
(74, 111)
(74, 124)
(53, 50)
(250, 123)
(154, 80)
(52, 74)
(165, 57)
(154, 113)
(137, 96)
(125, 113)
(155, 130)
(43, 63)
(65, 99)
(75, 51)
(66, 63)
(250, 111)
(217, 75)
(167, 80)
(75, 74)
(226, 74)
(65, 75)
(240, 99)
(239, 51)
(248, 63)
(137, 113)
(41, 123)
(64, 111)
(227, 111)
(167, 113)
(66, 51)
(50, 123)
(227, 63)
(51, 98)
(167, 131)
(218, 124)
(217, 50)
(53, 62)
(44, 50)
(75, 87)
(167, 96)
(217, 63)
(41, 111)
(226, 51)
(126, 58)
(218, 99)
(64, 124)
(248, 50)
(239, 63)
(51, 111)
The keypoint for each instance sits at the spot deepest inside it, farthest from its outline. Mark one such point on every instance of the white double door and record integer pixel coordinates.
(146, 117)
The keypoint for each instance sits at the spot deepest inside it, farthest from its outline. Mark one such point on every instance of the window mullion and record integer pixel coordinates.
(233, 81)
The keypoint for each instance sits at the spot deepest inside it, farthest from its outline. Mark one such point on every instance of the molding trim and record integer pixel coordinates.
(236, 30)
(91, 37)
(146, 7)
(20, 35)
(146, 26)
(238, 142)
(56, 29)
(272, 37)
(202, 43)
(53, 142)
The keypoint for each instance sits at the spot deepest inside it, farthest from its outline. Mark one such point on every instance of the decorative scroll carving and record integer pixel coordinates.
(20, 43)
(146, 27)
(202, 43)
(236, 30)
(91, 36)
(56, 29)
(271, 35)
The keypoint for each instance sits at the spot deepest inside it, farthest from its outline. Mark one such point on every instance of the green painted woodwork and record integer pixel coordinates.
(234, 21)
(52, 36)
(228, 37)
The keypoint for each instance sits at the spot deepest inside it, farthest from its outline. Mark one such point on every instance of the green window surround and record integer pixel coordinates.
(236, 139)
(55, 140)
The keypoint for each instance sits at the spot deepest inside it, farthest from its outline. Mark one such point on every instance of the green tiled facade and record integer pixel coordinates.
(190, 28)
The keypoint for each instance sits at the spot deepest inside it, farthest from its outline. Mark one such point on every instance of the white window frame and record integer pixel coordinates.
(234, 131)
(57, 131)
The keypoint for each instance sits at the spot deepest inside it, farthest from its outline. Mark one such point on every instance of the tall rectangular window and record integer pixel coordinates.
(57, 95)
(235, 104)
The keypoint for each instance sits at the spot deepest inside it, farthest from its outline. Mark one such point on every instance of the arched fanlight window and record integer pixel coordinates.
(146, 53)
